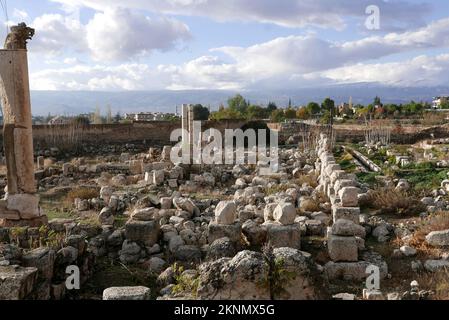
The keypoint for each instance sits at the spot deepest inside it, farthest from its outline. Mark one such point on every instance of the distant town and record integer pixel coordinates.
(240, 108)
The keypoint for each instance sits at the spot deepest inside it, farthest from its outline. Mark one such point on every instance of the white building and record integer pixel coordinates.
(438, 101)
(58, 120)
(147, 116)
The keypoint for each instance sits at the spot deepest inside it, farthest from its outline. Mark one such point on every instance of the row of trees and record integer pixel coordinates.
(240, 108)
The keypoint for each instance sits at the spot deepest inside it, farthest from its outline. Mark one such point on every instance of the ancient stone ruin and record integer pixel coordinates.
(136, 226)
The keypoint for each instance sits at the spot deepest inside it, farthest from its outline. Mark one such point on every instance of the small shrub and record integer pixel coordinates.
(183, 283)
(310, 205)
(275, 189)
(82, 193)
(438, 282)
(310, 179)
(392, 201)
(278, 276)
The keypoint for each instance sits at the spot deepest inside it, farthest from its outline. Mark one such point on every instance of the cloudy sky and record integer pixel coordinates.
(232, 44)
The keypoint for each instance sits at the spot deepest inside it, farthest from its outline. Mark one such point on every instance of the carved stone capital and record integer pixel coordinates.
(18, 37)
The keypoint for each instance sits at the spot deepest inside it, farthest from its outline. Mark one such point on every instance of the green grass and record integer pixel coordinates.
(368, 178)
(423, 178)
(120, 221)
(57, 214)
(345, 160)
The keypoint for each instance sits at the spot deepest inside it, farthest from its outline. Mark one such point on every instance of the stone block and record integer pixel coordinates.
(283, 236)
(126, 293)
(26, 204)
(349, 196)
(342, 248)
(158, 177)
(41, 258)
(348, 213)
(16, 282)
(232, 231)
(146, 232)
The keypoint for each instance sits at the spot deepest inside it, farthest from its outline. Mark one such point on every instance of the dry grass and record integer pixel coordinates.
(395, 202)
(276, 189)
(310, 205)
(437, 282)
(310, 179)
(82, 193)
(437, 222)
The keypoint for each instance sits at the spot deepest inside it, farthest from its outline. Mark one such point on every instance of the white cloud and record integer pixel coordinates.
(290, 13)
(55, 33)
(99, 77)
(113, 35)
(121, 34)
(419, 71)
(282, 62)
(20, 14)
(210, 73)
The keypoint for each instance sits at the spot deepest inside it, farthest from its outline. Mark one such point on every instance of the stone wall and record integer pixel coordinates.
(405, 135)
(346, 235)
(156, 132)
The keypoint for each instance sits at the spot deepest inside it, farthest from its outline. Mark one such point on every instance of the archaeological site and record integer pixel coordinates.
(240, 202)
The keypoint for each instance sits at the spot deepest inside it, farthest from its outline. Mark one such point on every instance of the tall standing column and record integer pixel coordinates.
(21, 204)
(185, 127)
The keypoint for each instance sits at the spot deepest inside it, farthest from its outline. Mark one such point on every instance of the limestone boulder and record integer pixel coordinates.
(301, 283)
(220, 248)
(16, 283)
(185, 205)
(126, 293)
(285, 213)
(239, 278)
(41, 258)
(438, 238)
(225, 212)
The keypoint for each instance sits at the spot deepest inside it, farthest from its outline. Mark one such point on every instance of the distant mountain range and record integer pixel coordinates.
(76, 102)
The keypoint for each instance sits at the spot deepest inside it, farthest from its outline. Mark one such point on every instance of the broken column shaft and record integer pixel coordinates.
(21, 203)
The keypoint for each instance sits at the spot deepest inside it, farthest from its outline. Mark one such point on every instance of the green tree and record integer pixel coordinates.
(200, 112)
(313, 108)
(81, 121)
(238, 103)
(271, 106)
(290, 113)
(303, 113)
(117, 117)
(445, 105)
(277, 115)
(328, 107)
(377, 101)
